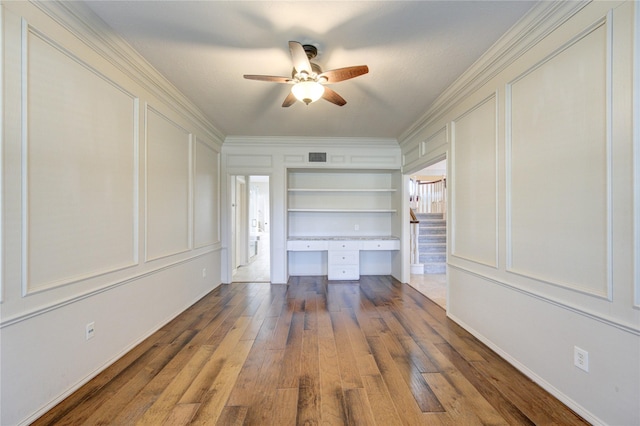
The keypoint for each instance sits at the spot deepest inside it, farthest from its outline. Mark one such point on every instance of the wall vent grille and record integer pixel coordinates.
(317, 157)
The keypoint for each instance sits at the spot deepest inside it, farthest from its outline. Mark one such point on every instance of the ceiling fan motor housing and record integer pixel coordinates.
(310, 50)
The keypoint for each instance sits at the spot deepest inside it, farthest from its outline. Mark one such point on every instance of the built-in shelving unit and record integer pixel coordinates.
(367, 200)
(342, 222)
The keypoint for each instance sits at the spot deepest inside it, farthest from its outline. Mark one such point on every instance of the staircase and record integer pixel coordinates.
(432, 242)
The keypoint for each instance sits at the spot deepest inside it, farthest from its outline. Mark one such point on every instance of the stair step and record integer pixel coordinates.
(425, 216)
(426, 239)
(430, 223)
(435, 268)
(433, 258)
(432, 248)
(432, 242)
(438, 230)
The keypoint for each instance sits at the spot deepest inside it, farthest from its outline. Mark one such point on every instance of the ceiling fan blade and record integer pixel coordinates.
(270, 78)
(289, 100)
(333, 97)
(341, 74)
(299, 57)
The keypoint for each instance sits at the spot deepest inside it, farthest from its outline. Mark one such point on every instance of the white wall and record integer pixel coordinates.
(110, 204)
(273, 156)
(89, 136)
(540, 141)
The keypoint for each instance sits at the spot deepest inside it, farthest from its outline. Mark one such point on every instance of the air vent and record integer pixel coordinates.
(317, 157)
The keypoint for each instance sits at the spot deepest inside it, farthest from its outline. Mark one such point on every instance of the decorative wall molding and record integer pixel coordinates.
(636, 158)
(456, 187)
(187, 216)
(434, 142)
(614, 322)
(307, 142)
(388, 160)
(294, 159)
(411, 156)
(543, 19)
(29, 286)
(212, 213)
(81, 21)
(248, 160)
(53, 305)
(546, 274)
(2, 170)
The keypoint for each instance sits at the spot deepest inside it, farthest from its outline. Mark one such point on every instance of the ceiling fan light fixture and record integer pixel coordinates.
(307, 91)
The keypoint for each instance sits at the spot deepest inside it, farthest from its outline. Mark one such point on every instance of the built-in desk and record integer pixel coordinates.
(343, 253)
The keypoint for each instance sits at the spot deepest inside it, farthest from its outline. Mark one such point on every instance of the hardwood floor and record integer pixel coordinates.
(373, 352)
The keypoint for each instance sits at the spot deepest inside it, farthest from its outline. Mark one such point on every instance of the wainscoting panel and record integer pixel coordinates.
(474, 187)
(206, 196)
(291, 159)
(79, 174)
(376, 160)
(558, 120)
(167, 186)
(411, 155)
(434, 142)
(240, 160)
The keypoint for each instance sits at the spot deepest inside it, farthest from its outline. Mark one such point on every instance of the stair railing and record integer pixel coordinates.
(431, 197)
(415, 231)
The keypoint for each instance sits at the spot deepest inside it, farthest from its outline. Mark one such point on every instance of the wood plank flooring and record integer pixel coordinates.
(372, 352)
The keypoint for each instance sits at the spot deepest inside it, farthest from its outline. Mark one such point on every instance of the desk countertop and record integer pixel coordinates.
(344, 238)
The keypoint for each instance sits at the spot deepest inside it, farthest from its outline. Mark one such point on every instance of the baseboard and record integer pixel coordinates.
(39, 413)
(566, 400)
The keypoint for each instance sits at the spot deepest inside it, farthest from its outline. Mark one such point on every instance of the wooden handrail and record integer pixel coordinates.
(430, 196)
(420, 182)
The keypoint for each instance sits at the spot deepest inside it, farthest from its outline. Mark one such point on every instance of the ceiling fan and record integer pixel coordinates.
(308, 79)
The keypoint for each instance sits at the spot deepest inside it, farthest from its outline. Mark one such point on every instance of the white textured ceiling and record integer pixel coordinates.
(414, 50)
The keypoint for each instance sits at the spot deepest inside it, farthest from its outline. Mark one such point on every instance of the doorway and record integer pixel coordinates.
(428, 198)
(251, 231)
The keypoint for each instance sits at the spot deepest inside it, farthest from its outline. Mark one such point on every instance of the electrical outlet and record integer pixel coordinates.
(581, 358)
(356, 227)
(204, 272)
(90, 330)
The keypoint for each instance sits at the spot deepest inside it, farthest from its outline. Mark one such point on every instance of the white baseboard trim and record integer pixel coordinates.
(566, 400)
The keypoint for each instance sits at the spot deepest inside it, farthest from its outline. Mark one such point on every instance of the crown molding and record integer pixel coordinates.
(83, 23)
(539, 22)
(306, 141)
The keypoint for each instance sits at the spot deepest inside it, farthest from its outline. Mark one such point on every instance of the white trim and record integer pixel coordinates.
(83, 23)
(636, 154)
(52, 403)
(539, 22)
(305, 141)
(26, 287)
(608, 294)
(146, 185)
(2, 169)
(24, 114)
(191, 170)
(216, 206)
(626, 327)
(493, 96)
(569, 402)
(79, 297)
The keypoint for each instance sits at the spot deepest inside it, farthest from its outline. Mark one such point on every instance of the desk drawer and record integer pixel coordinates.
(344, 245)
(307, 245)
(346, 257)
(344, 272)
(381, 245)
